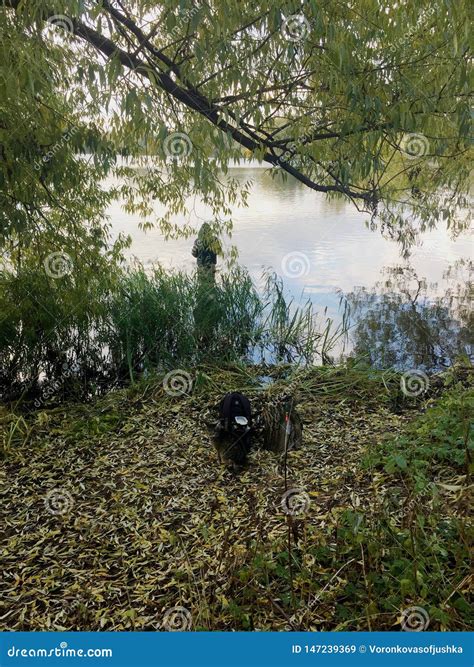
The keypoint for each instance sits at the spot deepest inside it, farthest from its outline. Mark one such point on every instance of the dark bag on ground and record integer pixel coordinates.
(234, 426)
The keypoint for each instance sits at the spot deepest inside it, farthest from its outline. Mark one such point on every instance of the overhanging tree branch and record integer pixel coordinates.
(187, 95)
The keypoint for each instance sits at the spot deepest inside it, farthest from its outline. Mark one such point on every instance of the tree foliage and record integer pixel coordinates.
(368, 102)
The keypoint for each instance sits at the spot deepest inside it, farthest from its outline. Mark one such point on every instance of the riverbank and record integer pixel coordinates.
(117, 514)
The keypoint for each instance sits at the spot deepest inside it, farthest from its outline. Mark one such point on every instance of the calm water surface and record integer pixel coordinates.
(317, 246)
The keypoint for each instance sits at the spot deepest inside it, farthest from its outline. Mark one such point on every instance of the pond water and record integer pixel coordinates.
(319, 247)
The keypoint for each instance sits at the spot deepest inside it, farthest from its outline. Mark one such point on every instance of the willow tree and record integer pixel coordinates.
(367, 101)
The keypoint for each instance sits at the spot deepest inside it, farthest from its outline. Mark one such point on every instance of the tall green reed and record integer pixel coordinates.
(112, 330)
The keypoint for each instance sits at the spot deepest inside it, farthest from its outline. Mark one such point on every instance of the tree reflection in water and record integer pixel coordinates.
(401, 324)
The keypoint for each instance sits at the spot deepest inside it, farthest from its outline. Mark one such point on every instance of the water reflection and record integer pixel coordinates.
(399, 323)
(287, 217)
(338, 253)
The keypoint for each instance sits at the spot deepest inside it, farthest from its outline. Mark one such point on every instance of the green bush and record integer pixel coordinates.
(441, 435)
